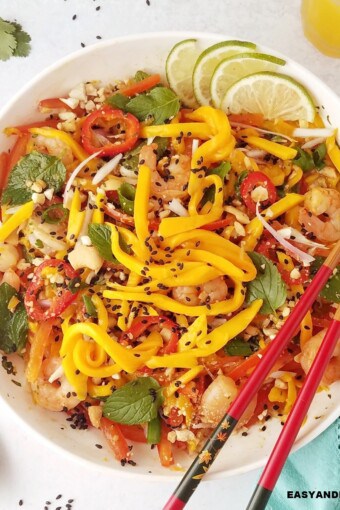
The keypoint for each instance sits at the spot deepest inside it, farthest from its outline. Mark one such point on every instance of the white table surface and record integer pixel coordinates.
(29, 470)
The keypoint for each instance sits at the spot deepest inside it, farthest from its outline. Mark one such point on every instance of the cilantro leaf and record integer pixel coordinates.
(268, 285)
(331, 291)
(303, 159)
(118, 101)
(100, 236)
(29, 168)
(14, 325)
(23, 41)
(136, 402)
(319, 155)
(160, 103)
(8, 44)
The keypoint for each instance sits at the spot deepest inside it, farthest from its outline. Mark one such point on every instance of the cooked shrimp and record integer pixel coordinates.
(11, 278)
(57, 395)
(209, 292)
(217, 398)
(308, 353)
(168, 180)
(9, 256)
(326, 202)
(54, 147)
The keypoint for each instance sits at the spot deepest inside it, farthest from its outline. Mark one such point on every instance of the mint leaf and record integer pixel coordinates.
(29, 168)
(331, 291)
(222, 171)
(118, 101)
(23, 39)
(136, 402)
(141, 75)
(13, 325)
(160, 103)
(100, 236)
(239, 347)
(268, 285)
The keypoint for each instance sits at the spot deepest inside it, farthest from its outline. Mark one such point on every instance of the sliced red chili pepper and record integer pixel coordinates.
(141, 324)
(141, 86)
(251, 182)
(215, 225)
(174, 419)
(110, 131)
(304, 276)
(60, 302)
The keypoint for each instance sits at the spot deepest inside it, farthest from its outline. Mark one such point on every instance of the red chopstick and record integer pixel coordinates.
(292, 426)
(221, 434)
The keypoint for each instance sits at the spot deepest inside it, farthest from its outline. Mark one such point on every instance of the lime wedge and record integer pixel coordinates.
(275, 95)
(209, 60)
(179, 67)
(232, 69)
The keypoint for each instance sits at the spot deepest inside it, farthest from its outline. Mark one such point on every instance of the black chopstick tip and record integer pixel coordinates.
(259, 498)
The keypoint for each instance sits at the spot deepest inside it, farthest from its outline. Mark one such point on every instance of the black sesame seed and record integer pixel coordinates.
(82, 45)
(74, 16)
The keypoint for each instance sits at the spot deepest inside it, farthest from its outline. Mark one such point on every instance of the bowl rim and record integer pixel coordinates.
(322, 425)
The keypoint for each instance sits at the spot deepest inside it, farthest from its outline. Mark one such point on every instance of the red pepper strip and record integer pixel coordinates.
(110, 131)
(164, 447)
(55, 104)
(3, 170)
(141, 324)
(304, 276)
(215, 225)
(119, 216)
(262, 403)
(23, 128)
(248, 365)
(174, 419)
(252, 119)
(141, 86)
(18, 151)
(116, 440)
(60, 302)
(133, 433)
(253, 180)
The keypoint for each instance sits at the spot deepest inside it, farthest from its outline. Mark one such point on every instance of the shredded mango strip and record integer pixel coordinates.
(213, 342)
(306, 324)
(98, 212)
(171, 305)
(187, 129)
(182, 380)
(76, 219)
(141, 208)
(103, 318)
(77, 149)
(122, 321)
(294, 177)
(131, 240)
(254, 229)
(15, 220)
(278, 150)
(333, 152)
(39, 343)
(196, 331)
(100, 390)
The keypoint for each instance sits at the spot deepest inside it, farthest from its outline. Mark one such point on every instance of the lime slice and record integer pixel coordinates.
(179, 67)
(232, 69)
(275, 95)
(207, 63)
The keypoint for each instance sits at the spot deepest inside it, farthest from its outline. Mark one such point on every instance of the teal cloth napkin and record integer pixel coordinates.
(315, 467)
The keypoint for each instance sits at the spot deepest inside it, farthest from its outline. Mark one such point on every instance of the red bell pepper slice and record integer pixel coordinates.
(3, 170)
(60, 302)
(23, 128)
(141, 86)
(116, 440)
(215, 225)
(109, 131)
(18, 151)
(253, 180)
(133, 433)
(55, 104)
(141, 324)
(304, 276)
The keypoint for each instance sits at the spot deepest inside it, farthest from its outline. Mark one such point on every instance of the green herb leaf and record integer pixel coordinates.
(131, 158)
(13, 325)
(55, 213)
(268, 285)
(239, 347)
(8, 41)
(222, 171)
(140, 76)
(160, 103)
(154, 431)
(118, 101)
(89, 307)
(100, 236)
(75, 285)
(319, 155)
(331, 291)
(23, 47)
(31, 167)
(303, 159)
(126, 195)
(243, 175)
(136, 402)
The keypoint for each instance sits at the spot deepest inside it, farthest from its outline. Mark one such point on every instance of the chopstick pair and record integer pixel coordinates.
(221, 434)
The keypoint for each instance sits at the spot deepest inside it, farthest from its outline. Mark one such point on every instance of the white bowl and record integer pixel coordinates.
(108, 61)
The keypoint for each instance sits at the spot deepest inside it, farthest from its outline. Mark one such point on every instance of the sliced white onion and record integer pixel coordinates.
(106, 169)
(150, 140)
(176, 207)
(289, 232)
(194, 146)
(13, 210)
(255, 153)
(76, 172)
(50, 242)
(308, 132)
(87, 218)
(312, 143)
(280, 373)
(241, 125)
(299, 255)
(56, 375)
(125, 172)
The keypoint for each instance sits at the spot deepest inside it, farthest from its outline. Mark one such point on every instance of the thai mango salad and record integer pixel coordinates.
(150, 252)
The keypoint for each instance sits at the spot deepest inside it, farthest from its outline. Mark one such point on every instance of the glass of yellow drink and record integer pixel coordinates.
(321, 25)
